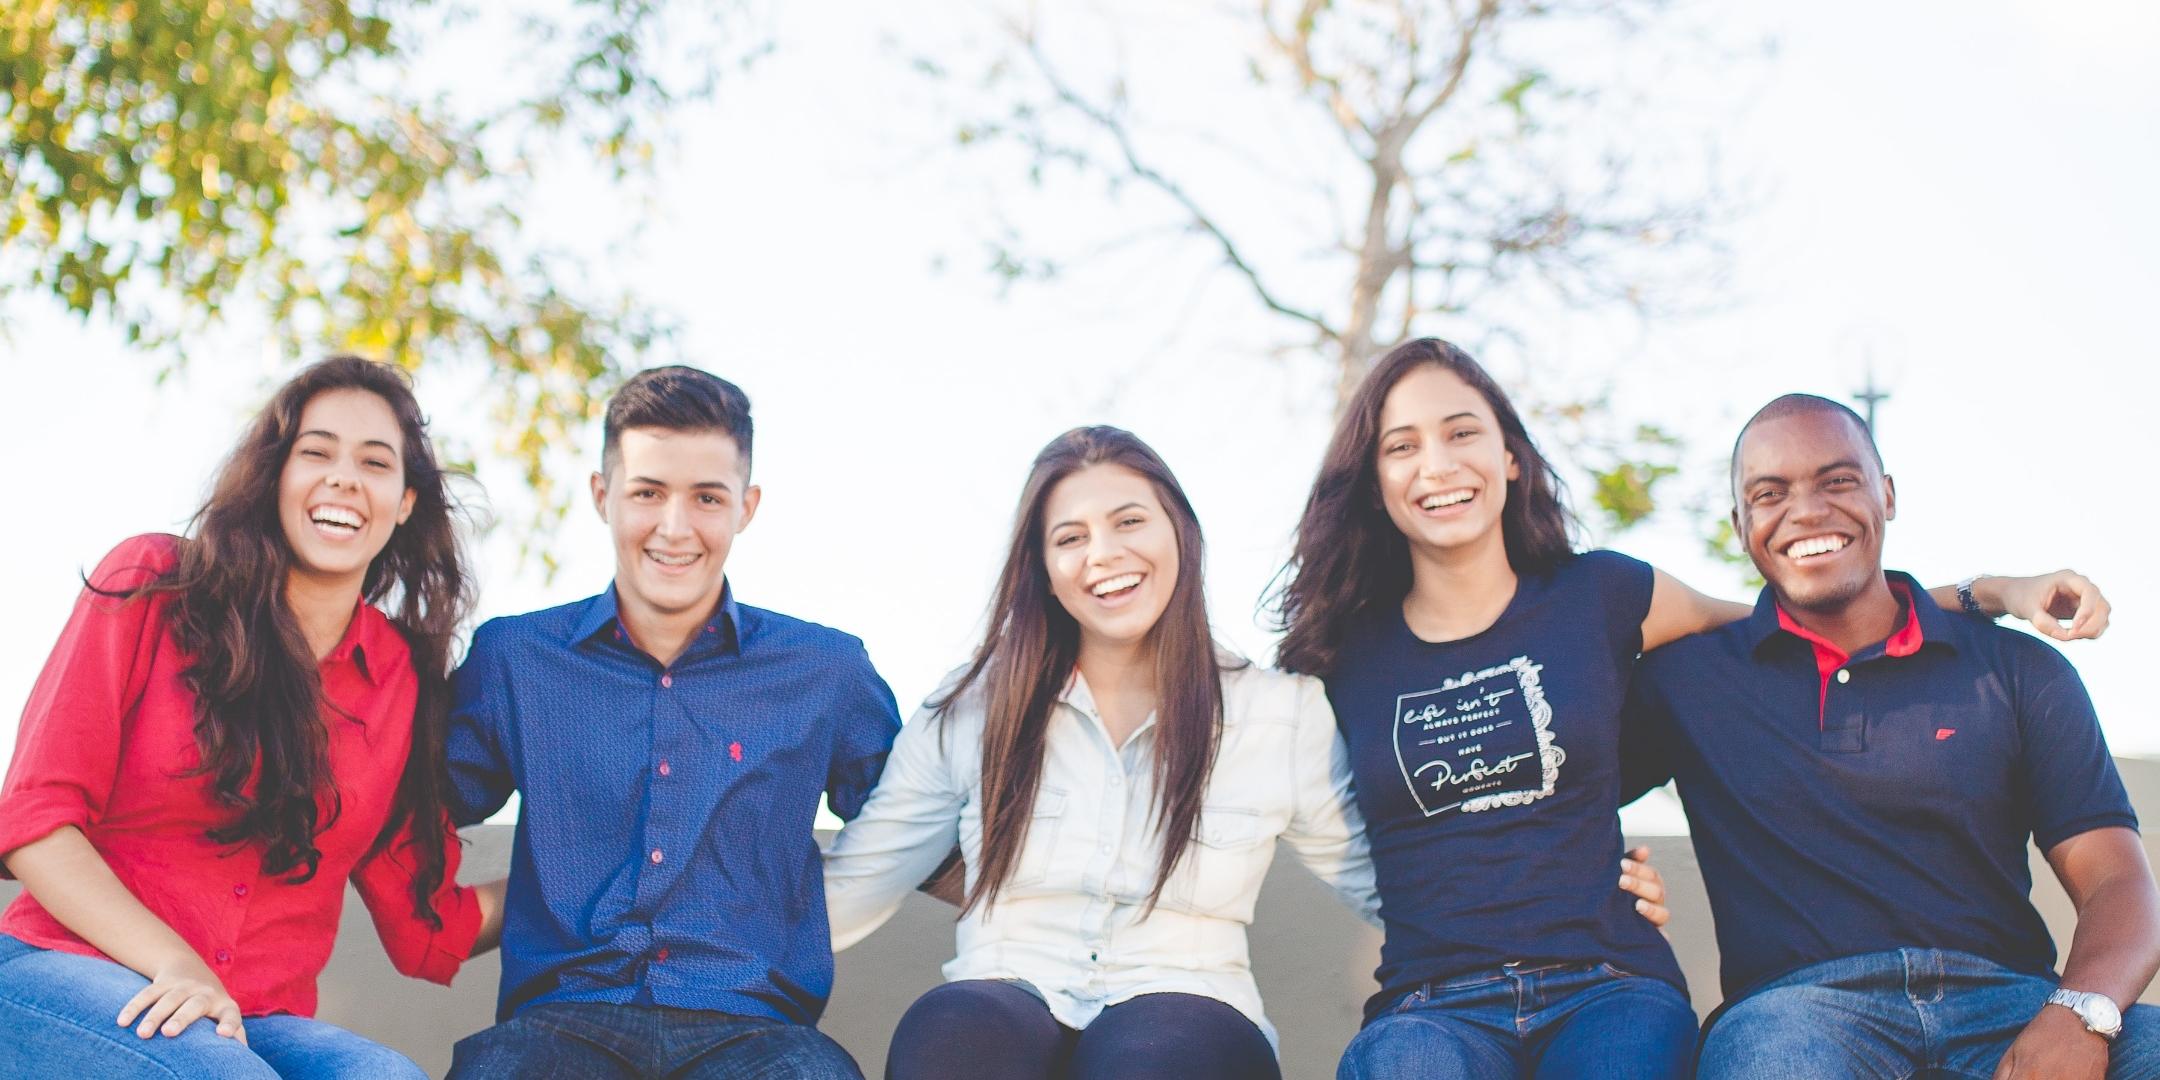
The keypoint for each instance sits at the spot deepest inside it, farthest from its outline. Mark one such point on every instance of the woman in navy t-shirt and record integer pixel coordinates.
(1477, 666)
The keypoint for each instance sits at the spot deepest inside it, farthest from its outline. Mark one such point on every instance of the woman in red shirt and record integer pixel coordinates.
(227, 731)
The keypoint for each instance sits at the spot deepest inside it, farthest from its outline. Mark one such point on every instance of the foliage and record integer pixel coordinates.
(164, 162)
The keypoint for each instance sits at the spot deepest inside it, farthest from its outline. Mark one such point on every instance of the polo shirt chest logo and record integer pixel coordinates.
(1478, 741)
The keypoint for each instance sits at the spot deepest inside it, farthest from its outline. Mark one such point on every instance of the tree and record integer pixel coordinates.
(1476, 160)
(164, 161)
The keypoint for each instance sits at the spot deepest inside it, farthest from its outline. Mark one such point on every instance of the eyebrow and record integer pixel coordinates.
(1449, 419)
(1772, 478)
(332, 436)
(1119, 510)
(701, 485)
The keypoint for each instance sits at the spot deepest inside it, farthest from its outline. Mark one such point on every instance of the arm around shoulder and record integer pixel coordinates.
(1326, 831)
(903, 831)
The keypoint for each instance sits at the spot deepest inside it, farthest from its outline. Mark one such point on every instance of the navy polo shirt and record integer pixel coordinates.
(1488, 771)
(664, 852)
(1895, 812)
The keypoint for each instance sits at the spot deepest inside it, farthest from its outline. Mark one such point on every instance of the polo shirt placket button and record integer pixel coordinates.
(664, 770)
(656, 856)
(240, 891)
(224, 956)
(667, 680)
(1844, 675)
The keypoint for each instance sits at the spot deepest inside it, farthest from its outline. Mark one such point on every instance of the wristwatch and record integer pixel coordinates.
(2099, 1011)
(1966, 599)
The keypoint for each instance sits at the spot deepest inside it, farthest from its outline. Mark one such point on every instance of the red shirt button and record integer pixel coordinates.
(662, 954)
(656, 856)
(667, 680)
(224, 956)
(240, 890)
(664, 770)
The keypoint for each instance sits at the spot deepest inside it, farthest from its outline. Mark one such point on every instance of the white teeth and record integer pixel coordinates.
(335, 515)
(1435, 502)
(1122, 581)
(671, 560)
(1814, 545)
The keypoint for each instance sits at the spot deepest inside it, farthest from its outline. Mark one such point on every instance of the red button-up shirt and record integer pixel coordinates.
(107, 744)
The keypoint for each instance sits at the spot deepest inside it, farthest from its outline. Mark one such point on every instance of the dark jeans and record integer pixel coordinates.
(1898, 1013)
(1551, 1023)
(562, 1040)
(987, 1030)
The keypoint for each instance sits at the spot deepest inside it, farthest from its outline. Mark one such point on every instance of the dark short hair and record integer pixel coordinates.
(676, 398)
(1796, 405)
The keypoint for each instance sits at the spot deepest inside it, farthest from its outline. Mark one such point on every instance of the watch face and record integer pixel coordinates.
(2102, 1014)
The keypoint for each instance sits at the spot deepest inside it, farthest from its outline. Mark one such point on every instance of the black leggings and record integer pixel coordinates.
(988, 1030)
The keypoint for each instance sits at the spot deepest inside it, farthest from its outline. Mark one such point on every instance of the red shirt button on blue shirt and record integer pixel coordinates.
(662, 954)
(656, 856)
(664, 770)
(667, 680)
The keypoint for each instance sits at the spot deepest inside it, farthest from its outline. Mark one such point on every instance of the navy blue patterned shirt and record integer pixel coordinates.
(664, 853)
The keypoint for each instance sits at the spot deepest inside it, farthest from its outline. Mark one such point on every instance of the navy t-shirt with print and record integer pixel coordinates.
(1488, 771)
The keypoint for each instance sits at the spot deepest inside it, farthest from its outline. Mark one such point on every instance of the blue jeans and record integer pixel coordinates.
(59, 1014)
(1895, 1014)
(560, 1040)
(1558, 1022)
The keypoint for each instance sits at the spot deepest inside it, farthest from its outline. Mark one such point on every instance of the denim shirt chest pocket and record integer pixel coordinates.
(1225, 862)
(1038, 851)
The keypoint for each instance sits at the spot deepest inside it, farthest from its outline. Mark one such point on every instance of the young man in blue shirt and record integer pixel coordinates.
(1867, 864)
(666, 911)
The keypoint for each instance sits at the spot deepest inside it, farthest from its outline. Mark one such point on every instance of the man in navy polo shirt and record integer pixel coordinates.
(666, 907)
(1866, 860)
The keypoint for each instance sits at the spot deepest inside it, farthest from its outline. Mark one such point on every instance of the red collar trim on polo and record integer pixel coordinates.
(1829, 658)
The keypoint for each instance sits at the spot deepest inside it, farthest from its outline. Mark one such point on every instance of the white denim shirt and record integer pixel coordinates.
(1071, 920)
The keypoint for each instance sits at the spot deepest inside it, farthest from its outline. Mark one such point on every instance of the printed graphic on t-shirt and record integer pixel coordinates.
(1479, 740)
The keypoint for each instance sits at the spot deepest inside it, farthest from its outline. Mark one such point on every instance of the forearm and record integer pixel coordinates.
(2116, 949)
(490, 895)
(73, 883)
(1987, 592)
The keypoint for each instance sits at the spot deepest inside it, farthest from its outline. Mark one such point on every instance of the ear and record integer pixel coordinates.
(1514, 471)
(599, 494)
(1889, 498)
(405, 505)
(750, 497)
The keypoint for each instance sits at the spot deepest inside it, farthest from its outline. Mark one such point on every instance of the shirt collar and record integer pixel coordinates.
(602, 614)
(1924, 623)
(364, 637)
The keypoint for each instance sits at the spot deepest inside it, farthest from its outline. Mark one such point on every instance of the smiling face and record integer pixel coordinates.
(674, 501)
(1111, 553)
(1812, 503)
(342, 490)
(1443, 462)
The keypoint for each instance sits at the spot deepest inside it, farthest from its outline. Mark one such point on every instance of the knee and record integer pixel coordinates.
(1769, 1035)
(1403, 1047)
(971, 1005)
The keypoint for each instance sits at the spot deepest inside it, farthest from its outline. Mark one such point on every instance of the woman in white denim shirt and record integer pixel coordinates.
(1086, 946)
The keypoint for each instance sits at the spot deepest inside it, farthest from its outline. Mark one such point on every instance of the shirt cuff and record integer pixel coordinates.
(449, 948)
(36, 814)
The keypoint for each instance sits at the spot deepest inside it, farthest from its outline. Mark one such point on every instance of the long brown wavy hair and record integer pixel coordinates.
(1033, 645)
(1350, 559)
(258, 693)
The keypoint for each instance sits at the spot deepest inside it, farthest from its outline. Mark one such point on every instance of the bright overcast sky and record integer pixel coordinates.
(1964, 189)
